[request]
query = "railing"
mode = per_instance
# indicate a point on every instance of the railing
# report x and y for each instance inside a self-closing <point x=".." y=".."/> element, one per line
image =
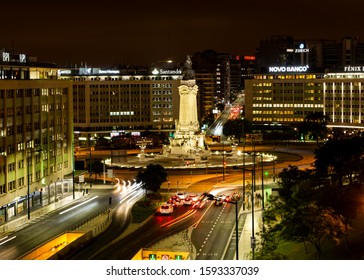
<point x="98" y="228"/>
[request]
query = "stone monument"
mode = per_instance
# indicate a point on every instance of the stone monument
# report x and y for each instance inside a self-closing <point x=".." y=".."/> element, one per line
<point x="187" y="142"/>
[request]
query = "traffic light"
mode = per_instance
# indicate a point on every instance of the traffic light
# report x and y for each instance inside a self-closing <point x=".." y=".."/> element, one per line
<point x="266" y="173"/>
<point x="153" y="257"/>
<point x="178" y="257"/>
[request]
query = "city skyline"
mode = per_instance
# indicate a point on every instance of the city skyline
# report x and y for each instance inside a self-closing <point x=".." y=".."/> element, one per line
<point x="141" y="33"/>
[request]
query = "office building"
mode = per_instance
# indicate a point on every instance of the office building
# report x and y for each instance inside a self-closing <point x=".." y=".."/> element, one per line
<point x="287" y="95"/>
<point x="36" y="134"/>
<point x="109" y="103"/>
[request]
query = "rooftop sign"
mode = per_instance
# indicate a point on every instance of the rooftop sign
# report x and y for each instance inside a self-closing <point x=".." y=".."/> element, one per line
<point x="285" y="69"/>
<point x="166" y="72"/>
<point x="354" y="68"/>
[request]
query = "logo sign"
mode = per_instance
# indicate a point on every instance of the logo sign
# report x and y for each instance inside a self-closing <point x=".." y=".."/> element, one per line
<point x="285" y="69"/>
<point x="354" y="68"/>
<point x="166" y="72"/>
<point x="301" y="49"/>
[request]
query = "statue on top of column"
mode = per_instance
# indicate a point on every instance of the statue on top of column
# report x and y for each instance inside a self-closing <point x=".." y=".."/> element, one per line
<point x="187" y="72"/>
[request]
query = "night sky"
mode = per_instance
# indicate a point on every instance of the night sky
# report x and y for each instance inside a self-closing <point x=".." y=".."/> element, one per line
<point x="102" y="33"/>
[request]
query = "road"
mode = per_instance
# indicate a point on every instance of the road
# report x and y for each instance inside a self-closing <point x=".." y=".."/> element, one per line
<point x="213" y="225"/>
<point x="40" y="230"/>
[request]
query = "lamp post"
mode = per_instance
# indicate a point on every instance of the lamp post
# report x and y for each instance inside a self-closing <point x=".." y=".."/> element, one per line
<point x="252" y="241"/>
<point x="29" y="158"/>
<point x="223" y="161"/>
<point x="73" y="170"/>
<point x="244" y="176"/>
<point x="261" y="159"/>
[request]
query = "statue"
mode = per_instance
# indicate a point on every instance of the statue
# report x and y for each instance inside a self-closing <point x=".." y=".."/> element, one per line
<point x="187" y="72"/>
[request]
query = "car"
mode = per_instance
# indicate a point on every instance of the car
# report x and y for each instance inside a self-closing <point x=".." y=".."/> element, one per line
<point x="176" y="200"/>
<point x="187" y="201"/>
<point x="227" y="198"/>
<point x="199" y="204"/>
<point x="166" y="209"/>
<point x="171" y="202"/>
<point x="218" y="201"/>
<point x="193" y="196"/>
<point x="181" y="195"/>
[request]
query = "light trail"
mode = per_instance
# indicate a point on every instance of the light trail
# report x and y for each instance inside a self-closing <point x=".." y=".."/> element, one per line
<point x="179" y="219"/>
<point x="6" y="240"/>
<point x="74" y="207"/>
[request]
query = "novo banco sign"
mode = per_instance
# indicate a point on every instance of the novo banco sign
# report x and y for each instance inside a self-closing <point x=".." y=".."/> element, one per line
<point x="285" y="69"/>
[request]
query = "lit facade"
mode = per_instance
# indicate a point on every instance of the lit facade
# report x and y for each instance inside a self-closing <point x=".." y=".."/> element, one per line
<point x="36" y="134"/>
<point x="285" y="98"/>
<point x="107" y="103"/>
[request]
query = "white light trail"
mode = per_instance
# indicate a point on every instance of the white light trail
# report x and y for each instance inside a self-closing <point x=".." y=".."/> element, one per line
<point x="7" y="240"/>
<point x="74" y="207"/>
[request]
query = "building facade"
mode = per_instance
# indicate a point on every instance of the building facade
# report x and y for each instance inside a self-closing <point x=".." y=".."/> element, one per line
<point x="36" y="136"/>
<point x="284" y="96"/>
<point x="109" y="103"/>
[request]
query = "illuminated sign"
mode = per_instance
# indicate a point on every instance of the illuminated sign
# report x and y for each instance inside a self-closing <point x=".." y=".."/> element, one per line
<point x="109" y="71"/>
<point x="6" y="56"/>
<point x="354" y="68"/>
<point x="301" y="49"/>
<point x="22" y="58"/>
<point x="64" y="72"/>
<point x="166" y="72"/>
<point x="249" y="57"/>
<point x="284" y="69"/>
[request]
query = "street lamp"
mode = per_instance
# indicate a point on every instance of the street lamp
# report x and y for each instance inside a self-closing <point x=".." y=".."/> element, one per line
<point x="223" y="161"/>
<point x="29" y="157"/>
<point x="235" y="201"/>
<point x="252" y="240"/>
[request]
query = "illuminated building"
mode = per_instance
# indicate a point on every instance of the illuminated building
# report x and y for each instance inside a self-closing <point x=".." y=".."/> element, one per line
<point x="36" y="133"/>
<point x="288" y="94"/>
<point x="109" y="103"/>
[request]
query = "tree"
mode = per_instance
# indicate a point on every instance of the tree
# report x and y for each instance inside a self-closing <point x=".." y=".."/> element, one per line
<point x="152" y="177"/>
<point x="340" y="159"/>
<point x="314" y="125"/>
<point x="297" y="214"/>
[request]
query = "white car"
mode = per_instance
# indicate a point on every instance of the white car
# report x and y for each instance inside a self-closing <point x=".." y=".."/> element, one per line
<point x="181" y="195"/>
<point x="193" y="196"/>
<point x="166" y="209"/>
